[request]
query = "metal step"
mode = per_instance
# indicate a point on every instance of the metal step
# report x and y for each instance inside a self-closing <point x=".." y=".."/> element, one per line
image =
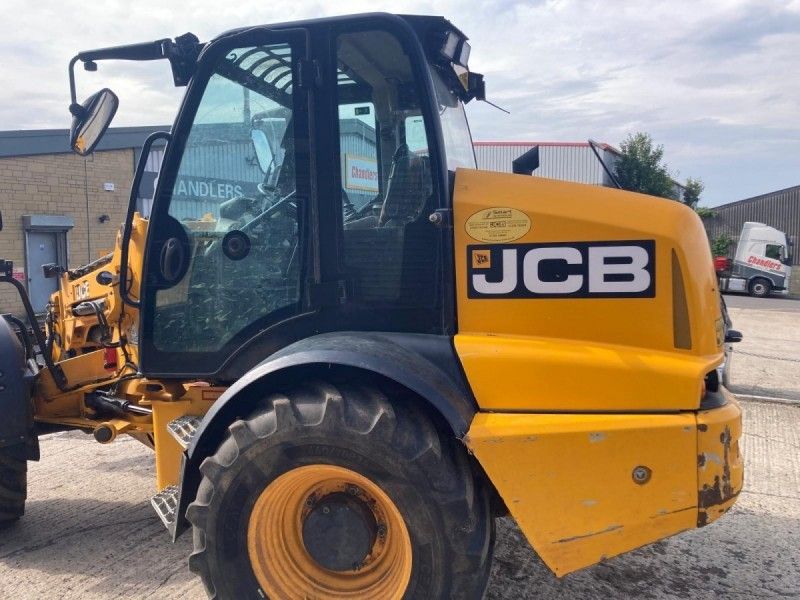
<point x="183" y="429"/>
<point x="165" y="504"/>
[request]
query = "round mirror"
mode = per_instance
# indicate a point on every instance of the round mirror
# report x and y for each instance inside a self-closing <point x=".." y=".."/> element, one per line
<point x="91" y="121"/>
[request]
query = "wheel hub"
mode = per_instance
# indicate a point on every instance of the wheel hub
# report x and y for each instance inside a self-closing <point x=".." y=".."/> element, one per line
<point x="339" y="532"/>
<point x="324" y="531"/>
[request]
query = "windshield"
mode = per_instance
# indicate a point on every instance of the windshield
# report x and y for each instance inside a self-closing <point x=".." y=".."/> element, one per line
<point x="455" y="128"/>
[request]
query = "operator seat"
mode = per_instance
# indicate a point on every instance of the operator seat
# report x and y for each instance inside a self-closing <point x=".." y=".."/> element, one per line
<point x="366" y="239"/>
<point x="405" y="190"/>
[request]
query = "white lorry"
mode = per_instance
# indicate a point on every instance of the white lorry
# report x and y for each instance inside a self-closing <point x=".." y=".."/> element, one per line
<point x="761" y="264"/>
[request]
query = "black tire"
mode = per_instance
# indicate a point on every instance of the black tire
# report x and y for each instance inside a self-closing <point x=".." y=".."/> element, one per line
<point x="759" y="287"/>
<point x="13" y="484"/>
<point x="426" y="474"/>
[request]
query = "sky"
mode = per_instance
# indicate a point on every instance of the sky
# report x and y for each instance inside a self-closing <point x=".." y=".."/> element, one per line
<point x="716" y="82"/>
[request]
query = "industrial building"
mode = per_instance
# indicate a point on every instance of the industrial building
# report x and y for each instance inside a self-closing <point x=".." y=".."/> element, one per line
<point x="61" y="208"/>
<point x="568" y="161"/>
<point x="779" y="209"/>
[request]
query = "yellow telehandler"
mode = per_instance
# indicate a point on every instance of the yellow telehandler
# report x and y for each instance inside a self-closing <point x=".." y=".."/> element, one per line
<point x="350" y="350"/>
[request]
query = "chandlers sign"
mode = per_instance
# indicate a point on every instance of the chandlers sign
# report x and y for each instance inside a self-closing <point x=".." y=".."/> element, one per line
<point x="208" y="188"/>
<point x="767" y="263"/>
<point x="360" y="173"/>
<point x="619" y="269"/>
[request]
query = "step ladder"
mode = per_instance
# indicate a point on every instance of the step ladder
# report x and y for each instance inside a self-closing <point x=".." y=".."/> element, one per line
<point x="165" y="502"/>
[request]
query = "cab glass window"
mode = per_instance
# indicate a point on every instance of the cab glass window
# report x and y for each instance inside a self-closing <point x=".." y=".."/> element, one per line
<point x="234" y="202"/>
<point x="775" y="252"/>
<point x="455" y="128"/>
<point x="390" y="249"/>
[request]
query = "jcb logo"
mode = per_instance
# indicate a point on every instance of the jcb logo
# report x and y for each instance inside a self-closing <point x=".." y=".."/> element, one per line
<point x="81" y="290"/>
<point x="624" y="269"/>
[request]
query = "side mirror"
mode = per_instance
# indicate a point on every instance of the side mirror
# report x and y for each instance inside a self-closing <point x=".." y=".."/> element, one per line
<point x="263" y="151"/>
<point x="90" y="121"/>
<point x="732" y="336"/>
<point x="51" y="270"/>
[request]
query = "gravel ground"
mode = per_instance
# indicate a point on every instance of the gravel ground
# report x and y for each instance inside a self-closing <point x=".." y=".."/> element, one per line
<point x="90" y="533"/>
<point x="767" y="361"/>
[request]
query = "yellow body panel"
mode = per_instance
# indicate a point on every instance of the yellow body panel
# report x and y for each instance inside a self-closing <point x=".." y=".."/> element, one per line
<point x="590" y="429"/>
<point x="534" y="373"/>
<point x="589" y="353"/>
<point x="195" y="401"/>
<point x="570" y="480"/>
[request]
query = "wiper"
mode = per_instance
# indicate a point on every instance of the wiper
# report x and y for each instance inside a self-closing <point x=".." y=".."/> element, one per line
<point x="592" y="145"/>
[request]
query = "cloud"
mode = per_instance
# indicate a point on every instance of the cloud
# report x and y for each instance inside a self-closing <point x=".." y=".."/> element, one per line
<point x="716" y="82"/>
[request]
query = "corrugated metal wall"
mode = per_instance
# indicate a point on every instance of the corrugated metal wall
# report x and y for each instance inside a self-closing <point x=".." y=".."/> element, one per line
<point x="780" y="210"/>
<point x="568" y="162"/>
<point x="220" y="159"/>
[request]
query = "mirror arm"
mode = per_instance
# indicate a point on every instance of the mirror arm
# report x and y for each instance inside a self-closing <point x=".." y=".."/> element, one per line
<point x="126" y="230"/>
<point x="182" y="55"/>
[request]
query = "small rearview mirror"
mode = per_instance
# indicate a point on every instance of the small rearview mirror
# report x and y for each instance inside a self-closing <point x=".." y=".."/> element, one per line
<point x="732" y="336"/>
<point x="51" y="270"/>
<point x="91" y="120"/>
<point x="263" y="151"/>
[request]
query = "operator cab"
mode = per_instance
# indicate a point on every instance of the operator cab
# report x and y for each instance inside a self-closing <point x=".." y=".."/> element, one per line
<point x="296" y="193"/>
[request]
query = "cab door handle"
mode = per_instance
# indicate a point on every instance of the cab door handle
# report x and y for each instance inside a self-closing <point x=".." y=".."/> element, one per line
<point x="171" y="260"/>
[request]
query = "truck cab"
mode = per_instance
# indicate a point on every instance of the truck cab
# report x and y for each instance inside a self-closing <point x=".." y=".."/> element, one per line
<point x="762" y="262"/>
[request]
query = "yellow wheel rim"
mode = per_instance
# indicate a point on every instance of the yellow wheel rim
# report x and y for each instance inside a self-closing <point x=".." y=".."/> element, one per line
<point x="283" y="565"/>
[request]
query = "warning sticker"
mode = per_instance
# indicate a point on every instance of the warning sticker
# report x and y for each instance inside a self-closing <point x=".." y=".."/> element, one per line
<point x="498" y="225"/>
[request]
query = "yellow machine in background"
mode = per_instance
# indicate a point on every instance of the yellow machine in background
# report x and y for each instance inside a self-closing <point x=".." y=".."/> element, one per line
<point x="348" y="373"/>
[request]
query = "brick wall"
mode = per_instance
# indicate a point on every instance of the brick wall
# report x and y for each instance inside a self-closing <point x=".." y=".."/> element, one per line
<point x="57" y="184"/>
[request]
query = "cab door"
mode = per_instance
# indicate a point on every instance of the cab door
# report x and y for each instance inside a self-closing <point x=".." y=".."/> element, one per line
<point x="228" y="251"/>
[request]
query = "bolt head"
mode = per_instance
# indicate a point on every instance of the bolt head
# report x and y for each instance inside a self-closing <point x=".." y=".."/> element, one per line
<point x="641" y="474"/>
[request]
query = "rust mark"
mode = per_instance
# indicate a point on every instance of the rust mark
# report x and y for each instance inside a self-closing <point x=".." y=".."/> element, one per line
<point x="597" y="436"/>
<point x="722" y="490"/>
<point x="588" y="535"/>
<point x="702" y="427"/>
<point x="701" y="460"/>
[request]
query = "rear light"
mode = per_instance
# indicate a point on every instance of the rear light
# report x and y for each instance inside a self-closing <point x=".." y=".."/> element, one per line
<point x="110" y="357"/>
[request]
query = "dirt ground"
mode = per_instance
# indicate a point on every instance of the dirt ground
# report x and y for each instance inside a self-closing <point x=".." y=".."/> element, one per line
<point x="90" y="533"/>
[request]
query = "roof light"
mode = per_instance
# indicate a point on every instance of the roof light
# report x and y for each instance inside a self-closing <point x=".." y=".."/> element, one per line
<point x="463" y="57"/>
<point x="450" y="45"/>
